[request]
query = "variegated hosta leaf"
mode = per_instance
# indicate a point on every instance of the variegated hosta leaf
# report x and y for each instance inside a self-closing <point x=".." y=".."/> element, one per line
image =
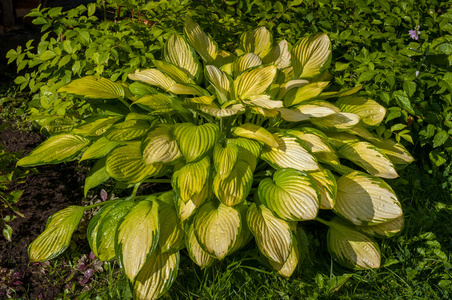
<point x="96" y="175"/>
<point x="157" y="103"/>
<point x="366" y="200"/>
<point x="288" y="267"/>
<point x="95" y="126"/>
<point x="140" y="89"/>
<point x="173" y="71"/>
<point x="395" y="152"/>
<point x="224" y="58"/>
<point x="57" y="235"/>
<point x="338" y="139"/>
<point x="308" y="111"/>
<point x="94" y="87"/>
<point x="127" y="130"/>
<point x="156" y="276"/>
<point x="233" y="189"/>
<point x="217" y="227"/>
<point x="99" y="149"/>
<point x="327" y="186"/>
<point x="194" y="141"/>
<point x="160" y="146"/>
<point x="56" y="149"/>
<point x="342" y="93"/>
<point x="351" y="248"/>
<point x="264" y="101"/>
<point x="289" y="154"/>
<point x="188" y="89"/>
<point x="289" y="85"/>
<point x="195" y="251"/>
<point x="372" y="159"/>
<point x="171" y="229"/>
<point x="383" y="230"/>
<point x="225" y="158"/>
<point x="202" y="99"/>
<point x="258" y="41"/>
<point x="291" y="195"/>
<point x="249" y="150"/>
<point x="245" y="235"/>
<point x="361" y="131"/>
<point x="188" y="208"/>
<point x="178" y="52"/>
<point x="370" y="111"/>
<point x="189" y="180"/>
<point x="255" y="132"/>
<point x="102" y="229"/>
<point x="153" y="77"/>
<point x="311" y="56"/>
<point x="279" y="55"/>
<point x="273" y="235"/>
<point x="201" y="42"/>
<point x="220" y="82"/>
<point x="137" y="237"/>
<point x="218" y="112"/>
<point x="125" y="163"/>
<point x="338" y="121"/>
<point x="254" y="81"/>
<point x="304" y="93"/>
<point x="245" y="62"/>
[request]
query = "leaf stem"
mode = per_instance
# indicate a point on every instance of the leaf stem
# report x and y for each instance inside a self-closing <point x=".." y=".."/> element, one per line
<point x="327" y="223"/>
<point x="158" y="181"/>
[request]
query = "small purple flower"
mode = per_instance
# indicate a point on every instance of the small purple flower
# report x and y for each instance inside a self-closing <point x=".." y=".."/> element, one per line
<point x="103" y="195"/>
<point x="414" y="34"/>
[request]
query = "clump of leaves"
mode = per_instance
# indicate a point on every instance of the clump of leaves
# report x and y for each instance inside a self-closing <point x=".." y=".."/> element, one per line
<point x="253" y="145"/>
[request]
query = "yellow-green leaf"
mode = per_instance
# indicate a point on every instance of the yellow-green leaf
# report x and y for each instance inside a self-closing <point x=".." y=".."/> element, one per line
<point x="383" y="230"/>
<point x="351" y="248"/>
<point x="245" y="62"/>
<point x="96" y="175"/>
<point x="220" y="82"/>
<point x="372" y="159"/>
<point x="217" y="227"/>
<point x="273" y="235"/>
<point x="289" y="153"/>
<point x="99" y="149"/>
<point x="218" y="112"/>
<point x="95" y="126"/>
<point x="160" y="146"/>
<point x="254" y="81"/>
<point x="127" y="130"/>
<point x="225" y="158"/>
<point x="171" y="229"/>
<point x="56" y="149"/>
<point x="125" y="163"/>
<point x="94" y="87"/>
<point x="153" y="77"/>
<point x="258" y="41"/>
<point x="279" y="55"/>
<point x="57" y="235"/>
<point x="291" y="195"/>
<point x="201" y="42"/>
<point x="102" y="229"/>
<point x="249" y="150"/>
<point x="156" y="276"/>
<point x="337" y="121"/>
<point x="366" y="200"/>
<point x="234" y="188"/>
<point x="157" y="103"/>
<point x="370" y="111"/>
<point x="287" y="268"/>
<point x="194" y="141"/>
<point x="189" y="180"/>
<point x="311" y="56"/>
<point x="178" y="52"/>
<point x="137" y="237"/>
<point x="195" y="251"/>
<point x="255" y="132"/>
<point x="327" y="186"/>
<point x="304" y="93"/>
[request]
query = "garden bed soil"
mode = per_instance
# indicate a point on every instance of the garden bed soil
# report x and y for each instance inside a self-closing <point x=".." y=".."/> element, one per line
<point x="55" y="187"/>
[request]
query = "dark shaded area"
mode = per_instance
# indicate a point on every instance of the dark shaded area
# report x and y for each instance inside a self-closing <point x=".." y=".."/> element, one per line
<point x="54" y="188"/>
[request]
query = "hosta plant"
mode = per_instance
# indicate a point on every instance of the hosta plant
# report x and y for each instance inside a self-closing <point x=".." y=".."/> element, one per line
<point x="253" y="145"/>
